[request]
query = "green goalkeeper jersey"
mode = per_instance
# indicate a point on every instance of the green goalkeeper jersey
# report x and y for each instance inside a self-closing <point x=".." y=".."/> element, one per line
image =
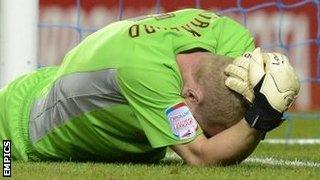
<point x="117" y="95"/>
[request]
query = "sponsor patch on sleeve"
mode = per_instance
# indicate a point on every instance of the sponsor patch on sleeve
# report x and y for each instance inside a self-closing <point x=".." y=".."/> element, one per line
<point x="182" y="122"/>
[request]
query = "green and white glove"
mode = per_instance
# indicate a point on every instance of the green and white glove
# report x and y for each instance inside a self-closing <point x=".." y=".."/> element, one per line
<point x="269" y="83"/>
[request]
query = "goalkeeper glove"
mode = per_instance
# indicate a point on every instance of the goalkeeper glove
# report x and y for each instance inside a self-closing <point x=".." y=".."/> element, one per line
<point x="238" y="79"/>
<point x="275" y="87"/>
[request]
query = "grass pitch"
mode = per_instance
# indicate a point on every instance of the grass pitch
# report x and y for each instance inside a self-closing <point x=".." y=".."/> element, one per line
<point x="269" y="161"/>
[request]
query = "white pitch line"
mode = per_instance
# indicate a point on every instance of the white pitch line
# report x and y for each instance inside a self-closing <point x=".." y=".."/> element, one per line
<point x="265" y="160"/>
<point x="292" y="141"/>
<point x="281" y="162"/>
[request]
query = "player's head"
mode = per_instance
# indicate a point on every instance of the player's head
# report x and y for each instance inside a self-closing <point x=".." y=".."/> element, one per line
<point x="220" y="107"/>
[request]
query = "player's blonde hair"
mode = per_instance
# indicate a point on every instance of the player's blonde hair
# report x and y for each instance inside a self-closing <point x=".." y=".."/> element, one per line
<point x="220" y="105"/>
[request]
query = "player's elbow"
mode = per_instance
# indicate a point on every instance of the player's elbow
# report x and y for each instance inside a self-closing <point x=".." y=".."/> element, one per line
<point x="214" y="158"/>
<point x="196" y="159"/>
<point x="196" y="162"/>
<point x="202" y="160"/>
<point x="212" y="162"/>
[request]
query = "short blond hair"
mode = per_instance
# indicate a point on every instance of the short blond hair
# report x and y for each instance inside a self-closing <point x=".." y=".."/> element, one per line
<point x="220" y="105"/>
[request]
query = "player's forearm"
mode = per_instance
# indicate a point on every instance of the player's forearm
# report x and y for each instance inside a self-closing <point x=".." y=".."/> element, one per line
<point x="230" y="146"/>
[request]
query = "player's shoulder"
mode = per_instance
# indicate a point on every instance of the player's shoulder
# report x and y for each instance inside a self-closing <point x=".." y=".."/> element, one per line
<point x="230" y="23"/>
<point x="220" y="20"/>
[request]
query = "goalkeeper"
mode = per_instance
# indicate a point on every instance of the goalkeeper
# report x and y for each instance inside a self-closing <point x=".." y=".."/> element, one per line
<point x="138" y="86"/>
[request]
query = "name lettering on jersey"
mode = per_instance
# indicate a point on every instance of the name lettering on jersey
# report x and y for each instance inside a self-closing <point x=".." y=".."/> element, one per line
<point x="190" y="30"/>
<point x="175" y="28"/>
<point x="204" y="16"/>
<point x="149" y="29"/>
<point x="201" y="21"/>
<point x="182" y="122"/>
<point x="134" y="31"/>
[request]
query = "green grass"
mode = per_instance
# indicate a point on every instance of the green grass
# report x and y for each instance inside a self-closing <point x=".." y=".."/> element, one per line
<point x="175" y="169"/>
<point x="164" y="170"/>
<point x="289" y="152"/>
<point x="297" y="129"/>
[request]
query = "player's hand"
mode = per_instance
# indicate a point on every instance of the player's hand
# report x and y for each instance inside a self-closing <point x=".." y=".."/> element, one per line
<point x="238" y="76"/>
<point x="280" y="83"/>
<point x="276" y="86"/>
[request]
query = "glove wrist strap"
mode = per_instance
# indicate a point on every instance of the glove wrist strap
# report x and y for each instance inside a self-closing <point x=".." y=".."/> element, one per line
<point x="261" y="115"/>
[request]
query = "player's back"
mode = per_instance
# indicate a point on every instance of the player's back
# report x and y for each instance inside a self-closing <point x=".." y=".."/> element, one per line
<point x="87" y="110"/>
<point x="157" y="38"/>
